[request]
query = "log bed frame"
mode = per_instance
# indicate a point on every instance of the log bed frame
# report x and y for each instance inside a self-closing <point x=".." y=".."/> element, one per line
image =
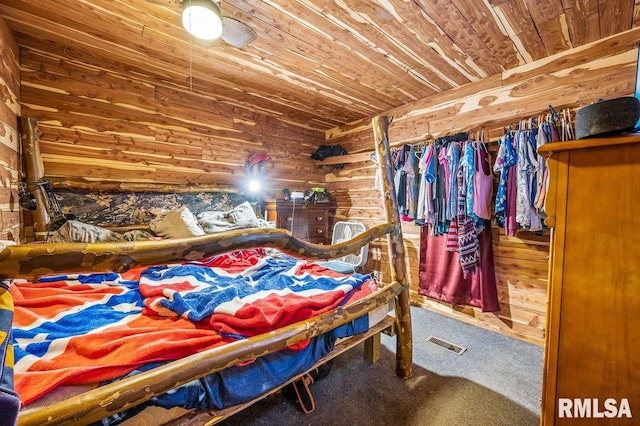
<point x="30" y="261"/>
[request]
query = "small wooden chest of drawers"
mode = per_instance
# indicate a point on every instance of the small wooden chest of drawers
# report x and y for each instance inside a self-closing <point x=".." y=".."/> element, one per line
<point x="306" y="221"/>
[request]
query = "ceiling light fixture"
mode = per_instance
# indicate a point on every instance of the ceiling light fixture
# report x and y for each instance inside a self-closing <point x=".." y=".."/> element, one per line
<point x="201" y="18"/>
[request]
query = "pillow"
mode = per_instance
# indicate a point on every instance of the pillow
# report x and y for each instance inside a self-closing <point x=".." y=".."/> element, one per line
<point x="213" y="221"/>
<point x="74" y="231"/>
<point x="243" y="216"/>
<point x="176" y="224"/>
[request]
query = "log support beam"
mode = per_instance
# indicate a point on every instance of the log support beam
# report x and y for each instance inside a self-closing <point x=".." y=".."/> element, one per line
<point x="397" y="261"/>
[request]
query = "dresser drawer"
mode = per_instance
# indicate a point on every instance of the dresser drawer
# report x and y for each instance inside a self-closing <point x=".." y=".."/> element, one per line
<point x="316" y="217"/>
<point x="317" y="230"/>
<point x="309" y="222"/>
<point x="289" y="219"/>
<point x="302" y="217"/>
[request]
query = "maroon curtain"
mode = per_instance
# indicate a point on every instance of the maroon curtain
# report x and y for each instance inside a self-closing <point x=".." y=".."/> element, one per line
<point x="441" y="276"/>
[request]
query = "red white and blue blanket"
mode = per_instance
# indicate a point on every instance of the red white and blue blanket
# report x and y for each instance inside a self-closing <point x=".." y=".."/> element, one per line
<point x="95" y="327"/>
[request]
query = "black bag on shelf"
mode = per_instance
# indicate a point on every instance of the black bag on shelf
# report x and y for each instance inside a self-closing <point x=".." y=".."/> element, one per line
<point x="325" y="151"/>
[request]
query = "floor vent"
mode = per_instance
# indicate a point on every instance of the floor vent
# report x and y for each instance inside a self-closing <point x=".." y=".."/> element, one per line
<point x="447" y="345"/>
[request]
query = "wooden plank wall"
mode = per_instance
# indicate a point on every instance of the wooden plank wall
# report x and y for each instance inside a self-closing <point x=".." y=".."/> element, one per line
<point x="604" y="69"/>
<point x="99" y="124"/>
<point x="9" y="138"/>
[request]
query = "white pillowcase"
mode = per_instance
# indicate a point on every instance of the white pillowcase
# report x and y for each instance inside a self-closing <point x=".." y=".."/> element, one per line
<point x="241" y="216"/>
<point x="176" y="224"/>
<point x="213" y="221"/>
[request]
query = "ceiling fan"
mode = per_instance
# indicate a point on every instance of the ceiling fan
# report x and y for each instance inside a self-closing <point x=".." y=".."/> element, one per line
<point x="203" y="19"/>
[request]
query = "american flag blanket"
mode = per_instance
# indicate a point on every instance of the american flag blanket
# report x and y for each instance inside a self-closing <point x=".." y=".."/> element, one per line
<point x="77" y="329"/>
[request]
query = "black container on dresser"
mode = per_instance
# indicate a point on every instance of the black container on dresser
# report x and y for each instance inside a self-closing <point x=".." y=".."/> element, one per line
<point x="307" y="221"/>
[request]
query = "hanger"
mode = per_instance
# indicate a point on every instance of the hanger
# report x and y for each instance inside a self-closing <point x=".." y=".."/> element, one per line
<point x="418" y="149"/>
<point x="554" y="114"/>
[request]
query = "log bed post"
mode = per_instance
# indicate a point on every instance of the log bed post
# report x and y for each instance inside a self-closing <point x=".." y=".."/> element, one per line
<point x="397" y="262"/>
<point x="34" y="171"/>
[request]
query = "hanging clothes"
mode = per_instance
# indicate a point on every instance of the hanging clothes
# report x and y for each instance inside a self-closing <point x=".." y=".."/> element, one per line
<point x="453" y="159"/>
<point x="456" y="256"/>
<point x="406" y="182"/>
<point x="430" y="178"/>
<point x="400" y="179"/>
<point x="422" y="211"/>
<point x="437" y="187"/>
<point x="468" y="249"/>
<point x="532" y="174"/>
<point x="527" y="165"/>
<point x="542" y="176"/>
<point x="441" y="224"/>
<point x="442" y="278"/>
<point x="510" y="221"/>
<point x="411" y="170"/>
<point x="524" y="175"/>
<point x="505" y="206"/>
<point x="468" y="165"/>
<point x="482" y="183"/>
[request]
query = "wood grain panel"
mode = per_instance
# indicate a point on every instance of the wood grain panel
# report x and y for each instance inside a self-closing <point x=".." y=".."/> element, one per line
<point x="608" y="348"/>
<point x="549" y="17"/>
<point x="483" y="20"/>
<point x="398" y="46"/>
<point x="615" y="16"/>
<point x="593" y="300"/>
<point x="304" y="101"/>
<point x="10" y="167"/>
<point x="583" y="20"/>
<point x="316" y="63"/>
<point x="139" y="47"/>
<point x="449" y="18"/>
<point x="605" y="68"/>
<point x="520" y="28"/>
<point x="98" y="124"/>
<point x="428" y="33"/>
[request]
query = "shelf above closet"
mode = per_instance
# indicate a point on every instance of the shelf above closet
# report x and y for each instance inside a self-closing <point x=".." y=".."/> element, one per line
<point x="344" y="159"/>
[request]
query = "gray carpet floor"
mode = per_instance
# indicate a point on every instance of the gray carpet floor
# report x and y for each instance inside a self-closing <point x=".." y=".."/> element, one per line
<point x="496" y="381"/>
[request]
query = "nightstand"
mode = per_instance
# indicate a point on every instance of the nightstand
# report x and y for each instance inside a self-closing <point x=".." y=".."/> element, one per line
<point x="306" y="221"/>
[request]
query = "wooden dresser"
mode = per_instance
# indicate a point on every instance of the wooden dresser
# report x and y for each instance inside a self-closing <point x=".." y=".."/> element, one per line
<point x="592" y="346"/>
<point x="310" y="222"/>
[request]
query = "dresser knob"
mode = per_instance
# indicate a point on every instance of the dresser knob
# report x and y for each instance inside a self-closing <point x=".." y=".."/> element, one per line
<point x="319" y="218"/>
<point x="289" y="219"/>
<point x="320" y="231"/>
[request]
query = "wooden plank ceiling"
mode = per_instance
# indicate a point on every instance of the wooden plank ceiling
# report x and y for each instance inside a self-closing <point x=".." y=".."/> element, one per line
<point x="317" y="63"/>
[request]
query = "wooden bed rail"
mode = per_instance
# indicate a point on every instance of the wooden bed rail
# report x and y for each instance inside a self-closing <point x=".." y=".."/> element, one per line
<point x="120" y="395"/>
<point x="31" y="261"/>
